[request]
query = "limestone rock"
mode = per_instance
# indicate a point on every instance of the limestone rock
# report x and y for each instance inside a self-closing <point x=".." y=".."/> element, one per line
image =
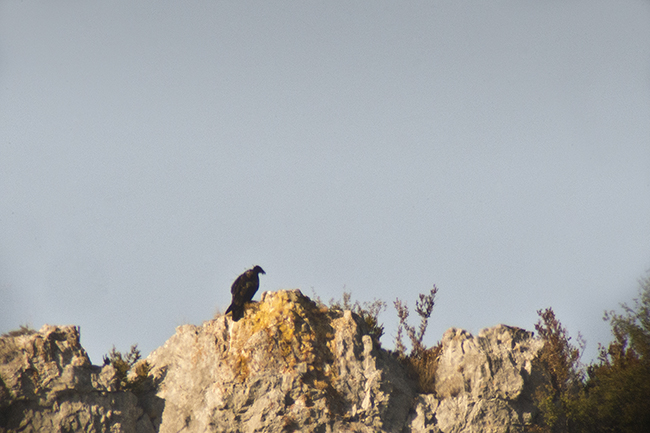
<point x="485" y="383"/>
<point x="288" y="365"/>
<point x="47" y="384"/>
<point x="423" y="414"/>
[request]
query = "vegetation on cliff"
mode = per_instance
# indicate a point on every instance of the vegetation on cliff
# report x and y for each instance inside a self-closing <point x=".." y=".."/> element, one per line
<point x="610" y="395"/>
<point x="131" y="372"/>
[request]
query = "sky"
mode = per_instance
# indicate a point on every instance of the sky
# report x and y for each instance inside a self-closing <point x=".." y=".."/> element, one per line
<point x="150" y="152"/>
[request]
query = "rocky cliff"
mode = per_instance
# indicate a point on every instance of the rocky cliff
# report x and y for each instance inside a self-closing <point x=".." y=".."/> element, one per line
<point x="47" y="384"/>
<point x="289" y="365"/>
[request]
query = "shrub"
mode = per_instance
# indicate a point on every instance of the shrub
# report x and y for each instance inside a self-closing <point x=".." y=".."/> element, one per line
<point x="368" y="311"/>
<point x="424" y="308"/>
<point x="615" y="394"/>
<point x="421" y="363"/>
<point x="618" y="388"/>
<point x="559" y="399"/>
<point x="123" y="365"/>
<point x="422" y="367"/>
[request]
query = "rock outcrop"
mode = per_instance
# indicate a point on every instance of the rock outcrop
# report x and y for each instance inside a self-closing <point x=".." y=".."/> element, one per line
<point x="47" y="384"/>
<point x="483" y="384"/>
<point x="288" y="365"/>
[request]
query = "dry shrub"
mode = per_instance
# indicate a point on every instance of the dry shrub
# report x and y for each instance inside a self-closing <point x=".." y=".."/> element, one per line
<point x="422" y="367"/>
<point x="368" y="311"/>
<point x="421" y="363"/>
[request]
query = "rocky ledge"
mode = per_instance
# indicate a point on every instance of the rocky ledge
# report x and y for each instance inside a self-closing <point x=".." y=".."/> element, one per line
<point x="289" y="365"/>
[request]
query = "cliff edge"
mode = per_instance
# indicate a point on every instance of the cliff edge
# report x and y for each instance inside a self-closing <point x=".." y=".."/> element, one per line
<point x="289" y="365"/>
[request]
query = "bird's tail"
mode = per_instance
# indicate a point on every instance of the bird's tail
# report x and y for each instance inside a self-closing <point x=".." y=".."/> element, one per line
<point x="237" y="311"/>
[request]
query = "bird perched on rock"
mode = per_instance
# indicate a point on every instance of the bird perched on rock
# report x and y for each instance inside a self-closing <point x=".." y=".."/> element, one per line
<point x="243" y="290"/>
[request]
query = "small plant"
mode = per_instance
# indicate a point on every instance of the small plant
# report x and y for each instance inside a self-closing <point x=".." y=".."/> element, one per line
<point x="424" y="308"/>
<point x="23" y="330"/>
<point x="422" y="363"/>
<point x="123" y="365"/>
<point x="368" y="311"/>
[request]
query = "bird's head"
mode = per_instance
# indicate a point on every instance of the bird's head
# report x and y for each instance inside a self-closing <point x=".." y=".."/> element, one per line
<point x="258" y="270"/>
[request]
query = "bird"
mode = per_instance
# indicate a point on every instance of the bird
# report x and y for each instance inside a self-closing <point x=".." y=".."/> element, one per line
<point x="243" y="290"/>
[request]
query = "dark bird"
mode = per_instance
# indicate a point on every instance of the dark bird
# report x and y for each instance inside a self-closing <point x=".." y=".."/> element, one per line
<point x="243" y="290"/>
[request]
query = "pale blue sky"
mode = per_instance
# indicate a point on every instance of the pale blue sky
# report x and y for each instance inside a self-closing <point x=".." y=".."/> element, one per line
<point x="150" y="152"/>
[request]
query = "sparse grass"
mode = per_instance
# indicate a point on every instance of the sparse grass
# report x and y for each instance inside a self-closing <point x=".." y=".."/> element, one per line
<point x="368" y="311"/>
<point x="23" y="330"/>
<point x="422" y="367"/>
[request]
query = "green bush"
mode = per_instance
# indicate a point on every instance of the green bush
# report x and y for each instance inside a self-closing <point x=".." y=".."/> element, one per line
<point x="614" y="395"/>
<point x="617" y="397"/>
<point x="560" y="360"/>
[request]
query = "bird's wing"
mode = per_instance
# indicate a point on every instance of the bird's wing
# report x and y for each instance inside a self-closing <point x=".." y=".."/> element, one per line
<point x="239" y="283"/>
<point x="251" y="288"/>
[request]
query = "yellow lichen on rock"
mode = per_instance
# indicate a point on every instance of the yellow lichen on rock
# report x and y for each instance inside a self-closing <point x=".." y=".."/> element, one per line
<point x="294" y="329"/>
<point x="286" y="331"/>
